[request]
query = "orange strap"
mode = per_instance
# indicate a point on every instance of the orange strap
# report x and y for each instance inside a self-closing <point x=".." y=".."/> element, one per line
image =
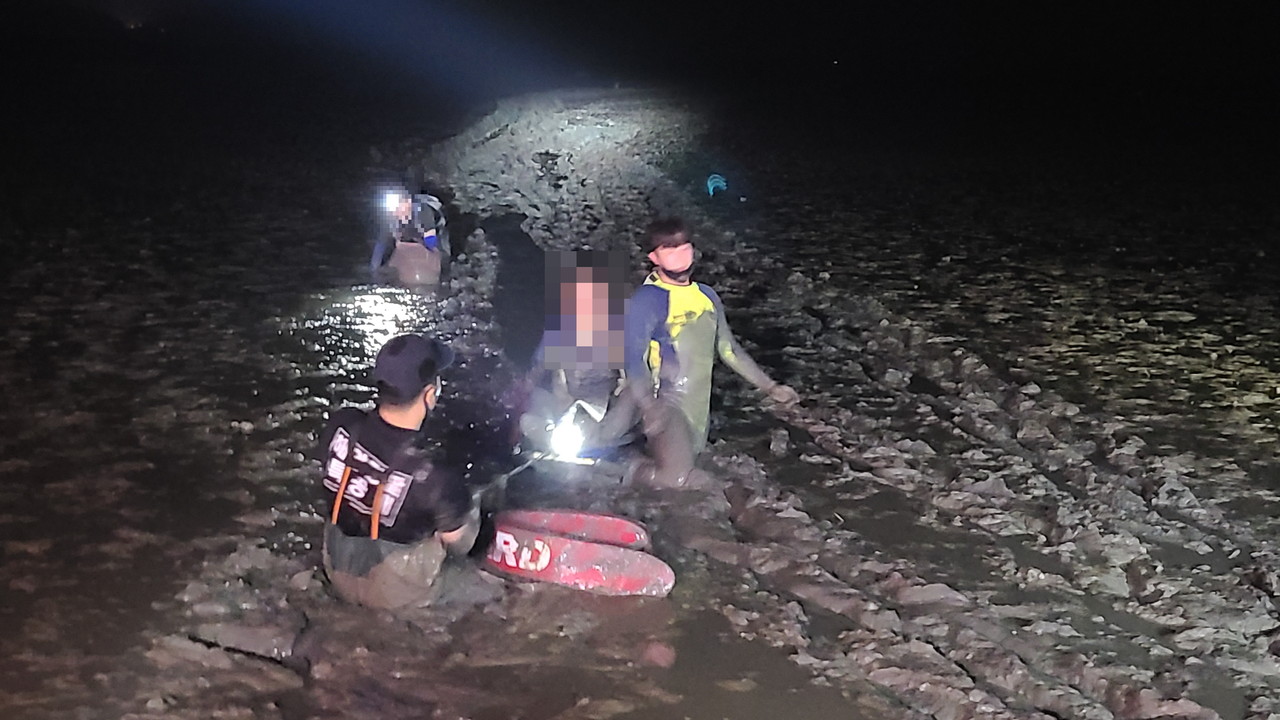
<point x="375" y="511"/>
<point x="342" y="489"/>
<point x="377" y="503"/>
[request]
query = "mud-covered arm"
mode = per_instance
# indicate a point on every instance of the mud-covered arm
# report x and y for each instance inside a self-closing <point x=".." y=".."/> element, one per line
<point x="380" y="249"/>
<point x="539" y="368"/>
<point x="644" y="323"/>
<point x="378" y="241"/>
<point x="452" y="511"/>
<point x="442" y="242"/>
<point x="538" y="362"/>
<point x="731" y="352"/>
<point x="459" y="542"/>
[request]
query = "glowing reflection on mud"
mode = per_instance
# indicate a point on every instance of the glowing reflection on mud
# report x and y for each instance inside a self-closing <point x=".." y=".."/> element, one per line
<point x="346" y="327"/>
<point x="380" y="315"/>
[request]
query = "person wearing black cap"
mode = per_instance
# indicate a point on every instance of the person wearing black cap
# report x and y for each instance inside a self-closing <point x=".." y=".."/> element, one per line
<point x="393" y="515"/>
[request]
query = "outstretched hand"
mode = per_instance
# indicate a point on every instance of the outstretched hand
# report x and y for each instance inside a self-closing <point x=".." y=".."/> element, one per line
<point x="783" y="394"/>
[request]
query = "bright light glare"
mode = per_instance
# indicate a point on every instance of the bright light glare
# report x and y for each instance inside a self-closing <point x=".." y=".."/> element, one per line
<point x="380" y="317"/>
<point x="391" y="201"/>
<point x="567" y="438"/>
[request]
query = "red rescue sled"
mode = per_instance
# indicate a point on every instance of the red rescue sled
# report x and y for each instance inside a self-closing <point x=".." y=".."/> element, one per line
<point x="603" y="554"/>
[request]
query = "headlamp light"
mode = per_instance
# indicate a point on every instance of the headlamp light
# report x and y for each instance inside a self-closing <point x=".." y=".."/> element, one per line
<point x="567" y="438"/>
<point x="391" y="201"/>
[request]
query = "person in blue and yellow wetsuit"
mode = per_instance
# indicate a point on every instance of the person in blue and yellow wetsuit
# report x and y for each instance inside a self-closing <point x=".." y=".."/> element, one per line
<point x="675" y="328"/>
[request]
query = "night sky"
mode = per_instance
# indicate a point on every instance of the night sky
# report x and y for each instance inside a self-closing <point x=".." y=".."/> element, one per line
<point x="1172" y="77"/>
<point x="1005" y="57"/>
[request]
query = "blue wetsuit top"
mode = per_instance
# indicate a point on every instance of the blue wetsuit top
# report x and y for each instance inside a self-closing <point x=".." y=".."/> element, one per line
<point x="673" y="334"/>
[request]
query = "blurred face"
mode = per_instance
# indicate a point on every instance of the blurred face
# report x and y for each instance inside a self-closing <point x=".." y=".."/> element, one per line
<point x="591" y="307"/>
<point x="404" y="210"/>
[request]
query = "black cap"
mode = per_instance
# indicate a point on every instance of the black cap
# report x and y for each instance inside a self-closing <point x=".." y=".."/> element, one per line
<point x="666" y="232"/>
<point x="409" y="363"/>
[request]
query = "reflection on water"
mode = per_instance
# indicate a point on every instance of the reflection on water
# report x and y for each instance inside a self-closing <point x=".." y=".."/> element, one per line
<point x="347" y="328"/>
<point x="380" y="315"/>
<point x="149" y="404"/>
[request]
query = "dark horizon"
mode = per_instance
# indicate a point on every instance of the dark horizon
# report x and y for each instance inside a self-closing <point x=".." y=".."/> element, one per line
<point x="999" y="61"/>
<point x="1161" y="86"/>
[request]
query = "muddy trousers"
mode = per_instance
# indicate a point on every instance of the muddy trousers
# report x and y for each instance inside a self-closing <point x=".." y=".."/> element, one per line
<point x="414" y="265"/>
<point x="381" y="574"/>
<point x="673" y="443"/>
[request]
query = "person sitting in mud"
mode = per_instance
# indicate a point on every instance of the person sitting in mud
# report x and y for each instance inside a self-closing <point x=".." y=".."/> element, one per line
<point x="579" y="360"/>
<point x="674" y="330"/>
<point x="414" y="244"/>
<point x="394" y="514"/>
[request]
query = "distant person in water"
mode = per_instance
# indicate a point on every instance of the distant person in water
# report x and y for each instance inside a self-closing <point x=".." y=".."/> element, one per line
<point x="394" y="515"/>
<point x="413" y="243"/>
<point x="675" y="328"/>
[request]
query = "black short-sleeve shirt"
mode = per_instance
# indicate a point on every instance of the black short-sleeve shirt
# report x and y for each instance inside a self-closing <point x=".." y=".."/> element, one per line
<point x="418" y="498"/>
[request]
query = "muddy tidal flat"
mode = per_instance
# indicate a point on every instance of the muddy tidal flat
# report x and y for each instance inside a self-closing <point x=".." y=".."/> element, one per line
<point x="1031" y="475"/>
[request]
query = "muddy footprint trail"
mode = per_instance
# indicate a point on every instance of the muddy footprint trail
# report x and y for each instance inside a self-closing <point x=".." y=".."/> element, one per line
<point x="924" y="536"/>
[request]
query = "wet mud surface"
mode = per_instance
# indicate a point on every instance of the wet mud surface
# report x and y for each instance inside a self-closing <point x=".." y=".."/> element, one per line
<point x="1021" y="483"/>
